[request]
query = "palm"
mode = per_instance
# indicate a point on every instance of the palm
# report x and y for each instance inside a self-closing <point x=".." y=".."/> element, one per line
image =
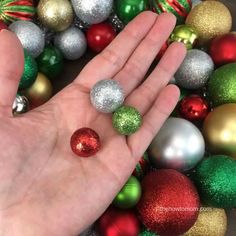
<point x="44" y="184"/>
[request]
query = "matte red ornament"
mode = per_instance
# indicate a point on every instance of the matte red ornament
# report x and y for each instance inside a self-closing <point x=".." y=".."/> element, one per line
<point x="2" y="25"/>
<point x="169" y="204"/>
<point x="116" y="222"/>
<point x="85" y="142"/>
<point x="100" y="36"/>
<point x="223" y="49"/>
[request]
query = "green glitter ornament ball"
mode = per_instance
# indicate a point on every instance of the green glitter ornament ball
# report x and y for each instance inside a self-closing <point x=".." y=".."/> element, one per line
<point x="126" y="120"/>
<point x="215" y="179"/>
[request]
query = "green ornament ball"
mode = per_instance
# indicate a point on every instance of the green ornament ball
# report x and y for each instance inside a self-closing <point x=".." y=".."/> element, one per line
<point x="221" y="88"/>
<point x="50" y="62"/>
<point x="126" y="120"/>
<point x="215" y="180"/>
<point x="129" y="195"/>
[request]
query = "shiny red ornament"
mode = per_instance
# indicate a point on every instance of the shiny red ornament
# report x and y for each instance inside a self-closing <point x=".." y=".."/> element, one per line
<point x="115" y="222"/>
<point x="223" y="49"/>
<point x="162" y="51"/>
<point x="169" y="204"/>
<point x="99" y="36"/>
<point x="85" y="142"/>
<point x="2" y="25"/>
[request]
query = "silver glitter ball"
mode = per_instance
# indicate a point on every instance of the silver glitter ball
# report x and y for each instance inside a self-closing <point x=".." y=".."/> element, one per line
<point x="20" y="105"/>
<point x="92" y="11"/>
<point x="107" y="95"/>
<point x="72" y="43"/>
<point x="195" y="70"/>
<point x="178" y="145"/>
<point x="30" y="35"/>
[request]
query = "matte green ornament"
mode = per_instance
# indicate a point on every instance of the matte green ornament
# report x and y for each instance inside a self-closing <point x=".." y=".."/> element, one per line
<point x="129" y="195"/>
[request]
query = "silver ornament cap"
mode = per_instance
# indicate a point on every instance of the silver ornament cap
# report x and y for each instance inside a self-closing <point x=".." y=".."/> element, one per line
<point x="20" y="105"/>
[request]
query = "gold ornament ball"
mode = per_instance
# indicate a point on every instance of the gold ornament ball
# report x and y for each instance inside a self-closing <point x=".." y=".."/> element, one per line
<point x="210" y="19"/>
<point x="210" y="222"/>
<point x="57" y="15"/>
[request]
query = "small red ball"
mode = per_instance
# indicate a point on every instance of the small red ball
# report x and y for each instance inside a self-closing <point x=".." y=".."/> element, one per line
<point x="99" y="36"/>
<point x="85" y="142"/>
<point x="115" y="222"/>
<point x="2" y="25"/>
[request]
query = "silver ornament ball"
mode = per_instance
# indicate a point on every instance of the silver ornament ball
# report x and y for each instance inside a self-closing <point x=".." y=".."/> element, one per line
<point x="195" y="70"/>
<point x="179" y="145"/>
<point x="92" y="11"/>
<point x="71" y="42"/>
<point x="30" y="36"/>
<point x="20" y="105"/>
<point x="107" y="95"/>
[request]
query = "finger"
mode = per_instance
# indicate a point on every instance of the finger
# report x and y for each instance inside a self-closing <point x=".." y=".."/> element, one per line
<point x="139" y="63"/>
<point x="153" y="120"/>
<point x="113" y="58"/>
<point x="12" y="65"/>
<point x="144" y="96"/>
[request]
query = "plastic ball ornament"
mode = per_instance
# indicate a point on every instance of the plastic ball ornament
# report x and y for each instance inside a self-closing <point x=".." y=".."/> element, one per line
<point x="195" y="70"/>
<point x="3" y="25"/>
<point x="20" y="105"/>
<point x="142" y="167"/>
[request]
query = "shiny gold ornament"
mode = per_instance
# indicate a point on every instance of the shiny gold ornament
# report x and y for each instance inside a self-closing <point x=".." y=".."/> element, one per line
<point x="57" y="15"/>
<point x="210" y="222"/>
<point x="219" y="130"/>
<point x="210" y="19"/>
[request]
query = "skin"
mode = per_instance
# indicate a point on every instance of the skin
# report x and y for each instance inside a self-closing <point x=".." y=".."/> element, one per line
<point x="44" y="188"/>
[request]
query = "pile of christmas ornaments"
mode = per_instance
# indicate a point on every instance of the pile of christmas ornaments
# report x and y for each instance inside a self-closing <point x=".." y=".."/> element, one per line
<point x="186" y="180"/>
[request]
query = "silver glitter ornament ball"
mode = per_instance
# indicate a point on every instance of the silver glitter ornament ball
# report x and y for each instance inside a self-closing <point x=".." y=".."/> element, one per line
<point x="30" y="35"/>
<point x="92" y="11"/>
<point x="72" y="43"/>
<point x="195" y="70"/>
<point x="178" y="145"/>
<point x="107" y="95"/>
<point x="20" y="105"/>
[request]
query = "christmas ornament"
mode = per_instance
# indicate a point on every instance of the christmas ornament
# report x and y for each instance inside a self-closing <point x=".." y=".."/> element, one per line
<point x="30" y="35"/>
<point x="115" y="222"/>
<point x="2" y="25"/>
<point x="178" y="145"/>
<point x="85" y="142"/>
<point x="126" y="120"/>
<point x="142" y="167"/>
<point x="210" y="19"/>
<point x="216" y="181"/>
<point x="210" y="222"/>
<point x="180" y="8"/>
<point x="116" y="22"/>
<point x="92" y="11"/>
<point x="20" y="105"/>
<point x="195" y="70"/>
<point x="129" y="195"/>
<point x="185" y="34"/>
<point x="13" y="10"/>
<point x="169" y="203"/>
<point x="147" y="233"/>
<point x="126" y="10"/>
<point x="56" y="15"/>
<point x="107" y="95"/>
<point x="99" y="36"/>
<point x="223" y="49"/>
<point x="221" y="87"/>
<point x="219" y="130"/>
<point x="50" y="62"/>
<point x="72" y="43"/>
<point x="90" y="231"/>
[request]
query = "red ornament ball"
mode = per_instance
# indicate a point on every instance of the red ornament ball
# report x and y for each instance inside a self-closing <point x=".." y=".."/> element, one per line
<point x="99" y="36"/>
<point x="85" y="142"/>
<point x="115" y="222"/>
<point x="169" y="204"/>
<point x="2" y="25"/>
<point x="223" y="49"/>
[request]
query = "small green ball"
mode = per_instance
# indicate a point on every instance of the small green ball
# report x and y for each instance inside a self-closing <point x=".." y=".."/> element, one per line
<point x="129" y="195"/>
<point x="126" y="120"/>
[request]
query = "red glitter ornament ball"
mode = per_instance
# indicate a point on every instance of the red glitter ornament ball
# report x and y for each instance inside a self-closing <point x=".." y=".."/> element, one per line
<point x="223" y="49"/>
<point x="99" y="36"/>
<point x="169" y="204"/>
<point x="85" y="142"/>
<point x="115" y="222"/>
<point x="2" y="25"/>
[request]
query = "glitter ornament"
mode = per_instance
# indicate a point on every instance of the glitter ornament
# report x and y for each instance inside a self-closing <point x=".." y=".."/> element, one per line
<point x="169" y="203"/>
<point x="195" y="70"/>
<point x="117" y="24"/>
<point x="92" y="11"/>
<point x="142" y="167"/>
<point x="178" y="145"/>
<point x="107" y="95"/>
<point x="85" y="142"/>
<point x="215" y="180"/>
<point x="2" y="25"/>
<point x="20" y="105"/>
<point x="126" y="120"/>
<point x="30" y="36"/>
